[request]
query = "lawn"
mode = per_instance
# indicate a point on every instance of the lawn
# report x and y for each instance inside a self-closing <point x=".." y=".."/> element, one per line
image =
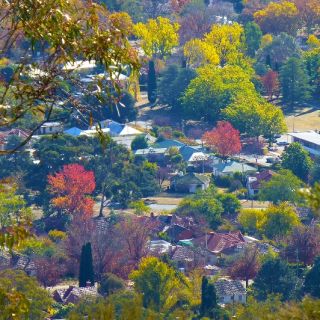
<point x="303" y="120"/>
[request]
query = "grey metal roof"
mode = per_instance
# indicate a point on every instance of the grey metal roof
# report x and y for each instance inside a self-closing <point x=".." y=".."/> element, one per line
<point x="227" y="287"/>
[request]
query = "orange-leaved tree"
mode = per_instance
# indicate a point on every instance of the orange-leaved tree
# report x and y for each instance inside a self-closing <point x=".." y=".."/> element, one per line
<point x="224" y="139"/>
<point x="71" y="188"/>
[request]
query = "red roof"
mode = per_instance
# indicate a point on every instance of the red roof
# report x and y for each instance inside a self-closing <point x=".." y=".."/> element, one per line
<point x="218" y="242"/>
<point x="262" y="176"/>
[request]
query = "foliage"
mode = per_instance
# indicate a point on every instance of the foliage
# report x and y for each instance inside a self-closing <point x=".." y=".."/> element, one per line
<point x="283" y="186"/>
<point x="86" y="266"/>
<point x="162" y="288"/>
<point x="139" y="142"/>
<point x="250" y="219"/>
<point x="253" y="37"/>
<point x="152" y="83"/>
<point x="209" y="300"/>
<point x="278" y="17"/>
<point x="312" y="280"/>
<point x="41" y="247"/>
<point x="294" y="82"/>
<point x="274" y="277"/>
<point x="25" y="296"/>
<point x="224" y="139"/>
<point x="71" y="186"/>
<point x="312" y="196"/>
<point x="279" y="220"/>
<point x="140" y="207"/>
<point x="56" y="235"/>
<point x="296" y="159"/>
<point x="109" y="284"/>
<point x="271" y="83"/>
<point x="230" y="203"/>
<point x="159" y="36"/>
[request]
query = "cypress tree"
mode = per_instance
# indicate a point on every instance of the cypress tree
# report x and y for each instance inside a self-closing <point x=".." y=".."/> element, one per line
<point x="152" y="83"/>
<point x="86" y="266"/>
<point x="208" y="298"/>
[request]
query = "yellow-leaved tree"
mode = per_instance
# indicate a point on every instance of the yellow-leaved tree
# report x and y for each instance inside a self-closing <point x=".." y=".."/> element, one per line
<point x="158" y="37"/>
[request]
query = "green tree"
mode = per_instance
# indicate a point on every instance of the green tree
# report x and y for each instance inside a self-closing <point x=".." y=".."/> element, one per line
<point x="279" y="220"/>
<point x="139" y="142"/>
<point x="283" y="186"/>
<point x="312" y="280"/>
<point x="152" y="83"/>
<point x="294" y="82"/>
<point x="159" y="284"/>
<point x="22" y="288"/>
<point x="86" y="266"/>
<point x="110" y="283"/>
<point x="250" y="219"/>
<point x="230" y="203"/>
<point x="208" y="298"/>
<point x="296" y="159"/>
<point x="274" y="277"/>
<point x="253" y="36"/>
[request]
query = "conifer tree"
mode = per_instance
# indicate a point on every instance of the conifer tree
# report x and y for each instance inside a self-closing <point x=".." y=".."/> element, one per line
<point x="152" y="83"/>
<point x="208" y="298"/>
<point x="86" y="266"/>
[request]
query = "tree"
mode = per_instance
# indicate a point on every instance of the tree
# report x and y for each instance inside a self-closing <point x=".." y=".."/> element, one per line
<point x="25" y="296"/>
<point x="271" y="83"/>
<point x="224" y="139"/>
<point x="86" y="266"/>
<point x="253" y="36"/>
<point x="283" y="186"/>
<point x="139" y="142"/>
<point x="152" y="83"/>
<point x="309" y="13"/>
<point x="250" y="219"/>
<point x="159" y="284"/>
<point x="66" y="30"/>
<point x="274" y="277"/>
<point x="279" y="220"/>
<point x="247" y="266"/>
<point x="294" y="82"/>
<point x="230" y="203"/>
<point x="278" y="17"/>
<point x="110" y="284"/>
<point x="302" y="245"/>
<point x="208" y="298"/>
<point x="49" y="270"/>
<point x="214" y="89"/>
<point x="296" y="159"/>
<point x="312" y="280"/>
<point x="71" y="186"/>
<point x="159" y="36"/>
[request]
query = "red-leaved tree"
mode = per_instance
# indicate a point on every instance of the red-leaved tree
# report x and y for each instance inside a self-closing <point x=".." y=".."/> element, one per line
<point x="270" y="83"/>
<point x="71" y="188"/>
<point x="224" y="139"/>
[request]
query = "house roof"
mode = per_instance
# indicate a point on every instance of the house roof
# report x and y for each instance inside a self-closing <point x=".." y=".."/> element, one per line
<point x="177" y="233"/>
<point x="218" y="242"/>
<point x="74" y="131"/>
<point x="168" y="143"/>
<point x="191" y="178"/>
<point x="149" y="151"/>
<point x="308" y="136"/>
<point x="262" y="176"/>
<point x="226" y="287"/>
<point x="233" y="167"/>
<point x="182" y="253"/>
<point x="192" y="154"/>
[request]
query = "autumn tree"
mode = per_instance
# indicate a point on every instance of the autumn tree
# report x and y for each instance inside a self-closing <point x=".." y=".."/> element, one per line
<point x="66" y="30"/>
<point x="159" y="36"/>
<point x="302" y="245"/>
<point x="247" y="266"/>
<point x="309" y="12"/>
<point x="71" y="187"/>
<point x="278" y="17"/>
<point x="224" y="139"/>
<point x="271" y="83"/>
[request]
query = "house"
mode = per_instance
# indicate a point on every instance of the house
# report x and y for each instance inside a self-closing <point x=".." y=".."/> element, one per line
<point x="159" y="246"/>
<point x="4" y="136"/>
<point x="310" y="140"/>
<point x="168" y="143"/>
<point x="50" y="128"/>
<point x="74" y="131"/>
<point x="176" y="232"/>
<point x="231" y="167"/>
<point x="74" y="294"/>
<point x="152" y="154"/>
<point x="254" y="182"/>
<point x="230" y="291"/>
<point x="190" y="182"/>
<point x="222" y="243"/>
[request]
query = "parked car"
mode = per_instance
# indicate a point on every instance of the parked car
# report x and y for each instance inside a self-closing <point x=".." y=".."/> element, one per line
<point x="283" y="143"/>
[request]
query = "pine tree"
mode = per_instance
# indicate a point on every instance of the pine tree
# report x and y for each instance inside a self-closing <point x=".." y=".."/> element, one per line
<point x="86" y="266"/>
<point x="208" y="298"/>
<point x="294" y="82"/>
<point x="152" y="83"/>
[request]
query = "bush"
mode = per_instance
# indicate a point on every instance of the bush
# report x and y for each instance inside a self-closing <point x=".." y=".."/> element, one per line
<point x="223" y="181"/>
<point x="109" y="284"/>
<point x="57" y="235"/>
